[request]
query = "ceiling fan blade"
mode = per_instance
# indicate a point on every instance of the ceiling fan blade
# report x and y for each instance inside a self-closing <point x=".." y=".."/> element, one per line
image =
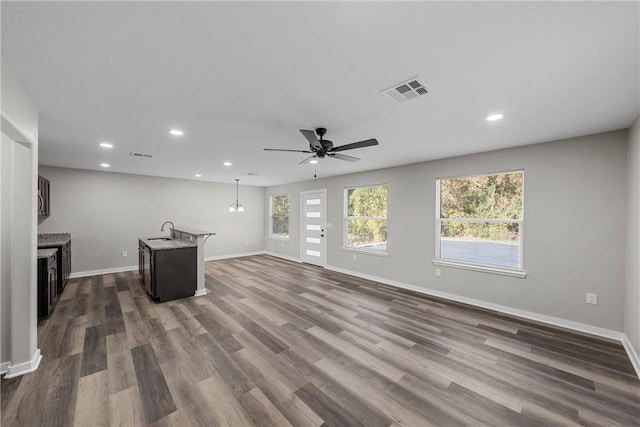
<point x="361" y="144"/>
<point x="282" y="149"/>
<point x="312" y="138"/>
<point x="307" y="160"/>
<point x="344" y="157"/>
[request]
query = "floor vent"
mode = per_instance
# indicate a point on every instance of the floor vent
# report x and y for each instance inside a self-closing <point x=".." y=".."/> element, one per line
<point x="406" y="91"/>
<point x="134" y="154"/>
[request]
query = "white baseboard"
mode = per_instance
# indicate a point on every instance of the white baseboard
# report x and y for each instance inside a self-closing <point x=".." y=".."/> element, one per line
<point x="238" y="255"/>
<point x="631" y="352"/>
<point x="135" y="267"/>
<point x="287" y="257"/>
<point x="103" y="271"/>
<point x="25" y="367"/>
<point x="3" y="367"/>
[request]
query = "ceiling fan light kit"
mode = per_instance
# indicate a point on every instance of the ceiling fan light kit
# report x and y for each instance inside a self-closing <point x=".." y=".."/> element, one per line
<point x="320" y="148"/>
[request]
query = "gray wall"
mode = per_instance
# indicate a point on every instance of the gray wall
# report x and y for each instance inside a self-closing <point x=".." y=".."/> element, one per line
<point x="19" y="152"/>
<point x="106" y="212"/>
<point x="574" y="234"/>
<point x="632" y="300"/>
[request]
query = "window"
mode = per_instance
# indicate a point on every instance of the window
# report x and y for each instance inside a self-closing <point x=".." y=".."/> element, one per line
<point x="365" y="218"/>
<point x="479" y="221"/>
<point x="279" y="216"/>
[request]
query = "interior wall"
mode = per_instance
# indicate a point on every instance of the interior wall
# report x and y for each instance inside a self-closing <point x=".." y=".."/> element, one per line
<point x="632" y="300"/>
<point x="106" y="212"/>
<point x="574" y="205"/>
<point x="6" y="191"/>
<point x="19" y="120"/>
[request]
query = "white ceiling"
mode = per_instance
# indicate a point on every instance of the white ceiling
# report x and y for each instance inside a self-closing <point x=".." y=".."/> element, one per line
<point x="241" y="76"/>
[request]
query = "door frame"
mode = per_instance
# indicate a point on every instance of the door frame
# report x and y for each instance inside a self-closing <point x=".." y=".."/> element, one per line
<point x="302" y="224"/>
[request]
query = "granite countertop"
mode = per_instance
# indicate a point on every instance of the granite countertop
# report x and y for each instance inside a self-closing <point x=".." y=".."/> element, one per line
<point x="46" y="253"/>
<point x="165" y="243"/>
<point x="194" y="231"/>
<point x="53" y="239"/>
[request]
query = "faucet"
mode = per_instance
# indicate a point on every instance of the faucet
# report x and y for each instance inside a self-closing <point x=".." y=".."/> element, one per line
<point x="173" y="233"/>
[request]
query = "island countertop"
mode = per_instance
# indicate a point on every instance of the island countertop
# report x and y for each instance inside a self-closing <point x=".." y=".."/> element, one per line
<point x="194" y="231"/>
<point x="162" y="243"/>
<point x="53" y="239"/>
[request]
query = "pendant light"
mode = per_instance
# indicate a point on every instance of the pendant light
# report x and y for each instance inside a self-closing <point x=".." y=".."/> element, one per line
<point x="237" y="206"/>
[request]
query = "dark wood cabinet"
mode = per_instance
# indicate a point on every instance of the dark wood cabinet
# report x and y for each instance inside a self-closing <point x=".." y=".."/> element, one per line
<point x="62" y="243"/>
<point x="47" y="283"/>
<point x="44" y="208"/>
<point x="64" y="264"/>
<point x="168" y="274"/>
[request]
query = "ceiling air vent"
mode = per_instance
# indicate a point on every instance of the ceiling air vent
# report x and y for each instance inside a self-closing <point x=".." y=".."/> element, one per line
<point x="406" y="91"/>
<point x="134" y="154"/>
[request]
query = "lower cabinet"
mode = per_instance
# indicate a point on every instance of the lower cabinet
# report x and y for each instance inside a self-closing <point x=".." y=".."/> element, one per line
<point x="168" y="274"/>
<point x="47" y="285"/>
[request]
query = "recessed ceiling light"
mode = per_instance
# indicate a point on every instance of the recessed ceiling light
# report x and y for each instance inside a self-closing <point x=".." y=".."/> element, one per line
<point x="105" y="165"/>
<point x="176" y="132"/>
<point x="494" y="117"/>
<point x="106" y="145"/>
<point x="314" y="161"/>
<point x="198" y="175"/>
<point x="227" y="163"/>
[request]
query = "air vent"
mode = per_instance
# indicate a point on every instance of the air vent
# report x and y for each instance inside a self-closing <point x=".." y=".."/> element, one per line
<point x="134" y="154"/>
<point x="406" y="91"/>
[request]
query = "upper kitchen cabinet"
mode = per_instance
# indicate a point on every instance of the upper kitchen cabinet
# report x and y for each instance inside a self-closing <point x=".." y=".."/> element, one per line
<point x="43" y="199"/>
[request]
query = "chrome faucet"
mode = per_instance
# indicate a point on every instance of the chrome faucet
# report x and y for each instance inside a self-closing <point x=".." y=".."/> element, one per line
<point x="173" y="233"/>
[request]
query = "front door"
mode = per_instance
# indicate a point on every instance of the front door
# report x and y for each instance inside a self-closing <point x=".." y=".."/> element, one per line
<point x="313" y="246"/>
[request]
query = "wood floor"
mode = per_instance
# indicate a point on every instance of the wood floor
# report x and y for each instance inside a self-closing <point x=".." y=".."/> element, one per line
<point x="275" y="343"/>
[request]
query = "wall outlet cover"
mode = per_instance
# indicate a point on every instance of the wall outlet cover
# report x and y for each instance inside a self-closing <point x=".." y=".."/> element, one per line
<point x="124" y="254"/>
<point x="592" y="298"/>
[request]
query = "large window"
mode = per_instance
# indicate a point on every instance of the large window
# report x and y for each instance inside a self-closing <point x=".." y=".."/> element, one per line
<point x="365" y="218"/>
<point x="479" y="220"/>
<point x="279" y="216"/>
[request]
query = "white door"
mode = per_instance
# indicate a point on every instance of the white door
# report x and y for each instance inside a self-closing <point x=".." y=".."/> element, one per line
<point x="313" y="246"/>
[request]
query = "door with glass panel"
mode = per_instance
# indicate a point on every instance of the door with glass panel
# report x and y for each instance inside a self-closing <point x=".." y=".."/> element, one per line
<point x="313" y="245"/>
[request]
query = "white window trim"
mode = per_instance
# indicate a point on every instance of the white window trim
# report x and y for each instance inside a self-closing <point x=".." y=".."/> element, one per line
<point x="270" y="235"/>
<point x="346" y="218"/>
<point x="516" y="272"/>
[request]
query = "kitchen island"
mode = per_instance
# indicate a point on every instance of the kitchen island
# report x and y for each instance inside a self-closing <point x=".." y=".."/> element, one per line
<point x="167" y="267"/>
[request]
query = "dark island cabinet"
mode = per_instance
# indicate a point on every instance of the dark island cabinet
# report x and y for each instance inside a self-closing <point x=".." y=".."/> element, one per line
<point x="168" y="274"/>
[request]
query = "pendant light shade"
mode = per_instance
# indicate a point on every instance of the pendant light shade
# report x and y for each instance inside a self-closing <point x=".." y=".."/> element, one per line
<point x="237" y="206"/>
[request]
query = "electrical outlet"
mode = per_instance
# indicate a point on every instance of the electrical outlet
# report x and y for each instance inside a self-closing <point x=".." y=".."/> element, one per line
<point x="282" y="244"/>
<point x="124" y="254"/>
<point x="592" y="298"/>
<point x="247" y="243"/>
<point x="355" y="257"/>
<point x="438" y="272"/>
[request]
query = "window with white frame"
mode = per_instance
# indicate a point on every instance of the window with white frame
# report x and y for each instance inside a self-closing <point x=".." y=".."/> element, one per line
<point x="365" y="218"/>
<point x="279" y="216"/>
<point x="479" y="220"/>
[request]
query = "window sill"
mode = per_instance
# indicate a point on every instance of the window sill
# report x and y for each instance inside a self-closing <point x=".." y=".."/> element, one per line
<point x="366" y="252"/>
<point x="281" y="239"/>
<point x="484" y="269"/>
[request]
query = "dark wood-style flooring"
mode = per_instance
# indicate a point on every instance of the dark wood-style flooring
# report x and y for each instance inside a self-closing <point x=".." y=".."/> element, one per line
<point x="275" y="343"/>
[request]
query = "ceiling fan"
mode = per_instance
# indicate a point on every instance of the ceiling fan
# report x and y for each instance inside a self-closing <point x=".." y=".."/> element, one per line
<point x="320" y="148"/>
